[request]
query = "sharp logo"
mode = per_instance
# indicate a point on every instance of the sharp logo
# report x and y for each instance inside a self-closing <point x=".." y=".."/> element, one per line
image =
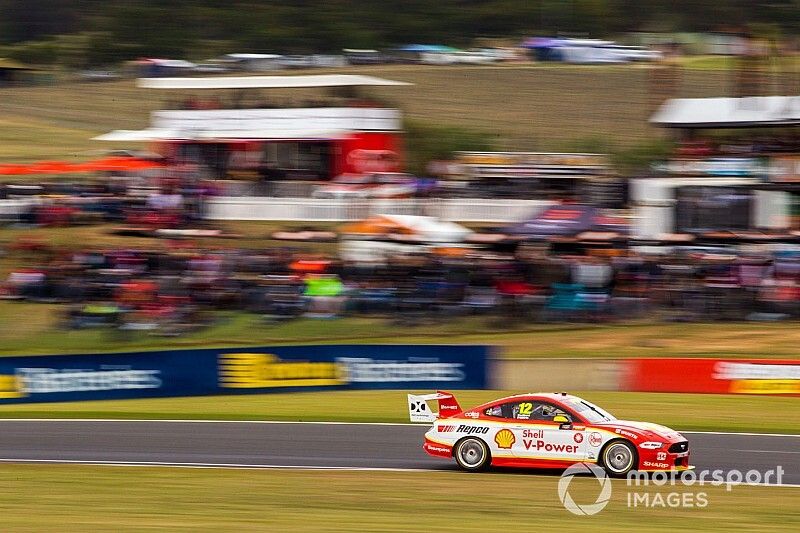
<point x="470" y="430"/>
<point x="445" y="429"/>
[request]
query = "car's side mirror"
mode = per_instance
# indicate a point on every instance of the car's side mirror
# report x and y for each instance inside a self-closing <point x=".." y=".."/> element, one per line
<point x="563" y="422"/>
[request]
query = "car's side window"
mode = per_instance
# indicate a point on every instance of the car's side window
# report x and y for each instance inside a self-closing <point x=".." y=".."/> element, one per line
<point x="546" y="411"/>
<point x="526" y="410"/>
<point x="496" y="410"/>
<point x="523" y="410"/>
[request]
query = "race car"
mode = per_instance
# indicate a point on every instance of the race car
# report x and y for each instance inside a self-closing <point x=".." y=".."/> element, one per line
<point x="545" y="430"/>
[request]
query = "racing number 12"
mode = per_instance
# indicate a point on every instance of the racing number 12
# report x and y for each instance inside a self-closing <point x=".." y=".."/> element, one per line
<point x="525" y="408"/>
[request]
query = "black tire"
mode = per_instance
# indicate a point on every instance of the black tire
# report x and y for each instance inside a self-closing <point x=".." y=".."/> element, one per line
<point x="472" y="454"/>
<point x="619" y="457"/>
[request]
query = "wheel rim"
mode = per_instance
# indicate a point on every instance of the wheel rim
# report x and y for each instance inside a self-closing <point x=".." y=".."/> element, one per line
<point x="471" y="453"/>
<point x="619" y="457"/>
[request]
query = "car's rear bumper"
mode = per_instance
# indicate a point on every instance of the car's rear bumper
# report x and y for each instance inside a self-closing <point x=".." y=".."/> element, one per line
<point x="437" y="449"/>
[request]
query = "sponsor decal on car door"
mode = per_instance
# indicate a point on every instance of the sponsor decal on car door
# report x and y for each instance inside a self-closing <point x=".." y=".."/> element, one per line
<point x="548" y="441"/>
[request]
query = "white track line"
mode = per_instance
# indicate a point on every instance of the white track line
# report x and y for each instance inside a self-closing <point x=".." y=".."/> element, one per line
<point x="232" y="466"/>
<point x="210" y="421"/>
<point x="795" y="435"/>
<point x="241" y="466"/>
<point x="204" y="421"/>
<point x="767" y="451"/>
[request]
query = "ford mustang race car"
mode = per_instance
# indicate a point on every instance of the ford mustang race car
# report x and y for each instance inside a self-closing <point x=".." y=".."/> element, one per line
<point x="545" y="431"/>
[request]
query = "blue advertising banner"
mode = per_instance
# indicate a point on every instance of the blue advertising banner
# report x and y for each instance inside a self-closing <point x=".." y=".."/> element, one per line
<point x="56" y="378"/>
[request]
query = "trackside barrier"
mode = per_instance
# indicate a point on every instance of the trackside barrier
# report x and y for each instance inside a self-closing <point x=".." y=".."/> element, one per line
<point x="555" y="375"/>
<point x="341" y="210"/>
<point x="720" y="376"/>
<point x="56" y="378"/>
<point x="332" y="367"/>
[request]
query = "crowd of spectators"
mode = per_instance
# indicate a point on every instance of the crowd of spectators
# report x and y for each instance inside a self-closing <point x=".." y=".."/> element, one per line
<point x="160" y="203"/>
<point x="181" y="288"/>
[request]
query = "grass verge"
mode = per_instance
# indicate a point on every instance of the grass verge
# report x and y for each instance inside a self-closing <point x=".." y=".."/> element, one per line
<point x="698" y="412"/>
<point x="85" y="498"/>
<point x="32" y="329"/>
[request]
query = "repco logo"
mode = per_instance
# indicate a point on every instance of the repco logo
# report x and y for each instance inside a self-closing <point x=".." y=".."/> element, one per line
<point x="470" y="430"/>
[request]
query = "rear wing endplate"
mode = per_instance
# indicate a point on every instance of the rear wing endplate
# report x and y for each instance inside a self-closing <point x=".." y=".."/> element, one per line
<point x="418" y="409"/>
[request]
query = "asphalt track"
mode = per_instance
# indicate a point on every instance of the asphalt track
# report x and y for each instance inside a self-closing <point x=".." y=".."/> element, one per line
<point x="313" y="445"/>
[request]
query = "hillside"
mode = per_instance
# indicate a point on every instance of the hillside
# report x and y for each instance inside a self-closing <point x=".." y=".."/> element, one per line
<point x="519" y="107"/>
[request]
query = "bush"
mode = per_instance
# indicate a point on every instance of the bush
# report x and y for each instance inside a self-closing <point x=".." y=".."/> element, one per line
<point x="34" y="52"/>
<point x="628" y="160"/>
<point x="637" y="158"/>
<point x="426" y="142"/>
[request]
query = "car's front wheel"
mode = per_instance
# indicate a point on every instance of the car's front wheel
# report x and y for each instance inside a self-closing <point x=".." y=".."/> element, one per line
<point x="472" y="454"/>
<point x="619" y="458"/>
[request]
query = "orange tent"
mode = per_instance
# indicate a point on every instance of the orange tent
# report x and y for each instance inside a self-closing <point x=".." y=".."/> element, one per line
<point x="411" y="227"/>
<point x="108" y="164"/>
<point x="49" y="167"/>
<point x="14" y="170"/>
<point x="376" y="225"/>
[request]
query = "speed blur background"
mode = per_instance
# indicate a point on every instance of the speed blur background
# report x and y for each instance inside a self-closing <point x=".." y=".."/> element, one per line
<point x="545" y="161"/>
<point x="584" y="185"/>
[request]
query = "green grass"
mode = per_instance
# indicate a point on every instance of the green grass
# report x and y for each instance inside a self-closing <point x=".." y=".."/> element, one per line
<point x="524" y="106"/>
<point x="240" y="234"/>
<point x="33" y="329"/>
<point x="87" y="498"/>
<point x="688" y="412"/>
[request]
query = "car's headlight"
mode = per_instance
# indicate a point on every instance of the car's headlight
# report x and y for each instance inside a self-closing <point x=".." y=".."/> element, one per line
<point x="651" y="445"/>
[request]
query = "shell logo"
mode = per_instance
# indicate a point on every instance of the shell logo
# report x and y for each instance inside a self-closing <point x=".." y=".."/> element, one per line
<point x="505" y="439"/>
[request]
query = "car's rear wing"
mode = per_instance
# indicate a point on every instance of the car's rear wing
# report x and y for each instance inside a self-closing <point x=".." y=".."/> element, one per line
<point x="419" y="411"/>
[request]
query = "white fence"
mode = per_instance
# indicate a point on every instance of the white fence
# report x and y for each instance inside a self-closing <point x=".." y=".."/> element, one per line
<point x="327" y="210"/>
<point x="10" y="210"/>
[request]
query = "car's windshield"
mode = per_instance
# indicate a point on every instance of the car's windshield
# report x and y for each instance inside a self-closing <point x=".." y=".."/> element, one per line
<point x="589" y="411"/>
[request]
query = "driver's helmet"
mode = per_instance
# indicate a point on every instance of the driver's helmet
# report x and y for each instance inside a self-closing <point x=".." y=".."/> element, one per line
<point x="547" y="411"/>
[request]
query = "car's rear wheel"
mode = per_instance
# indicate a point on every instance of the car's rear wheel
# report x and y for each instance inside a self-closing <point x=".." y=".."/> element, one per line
<point x="472" y="454"/>
<point x="619" y="458"/>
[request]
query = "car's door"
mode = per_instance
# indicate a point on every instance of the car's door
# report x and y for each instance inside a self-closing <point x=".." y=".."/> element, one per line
<point x="546" y="432"/>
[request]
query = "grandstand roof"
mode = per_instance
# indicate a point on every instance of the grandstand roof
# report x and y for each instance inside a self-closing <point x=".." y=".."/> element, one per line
<point x="267" y="82"/>
<point x="728" y="112"/>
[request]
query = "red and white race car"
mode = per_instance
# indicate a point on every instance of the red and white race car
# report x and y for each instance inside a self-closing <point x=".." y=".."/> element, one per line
<point x="545" y="431"/>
